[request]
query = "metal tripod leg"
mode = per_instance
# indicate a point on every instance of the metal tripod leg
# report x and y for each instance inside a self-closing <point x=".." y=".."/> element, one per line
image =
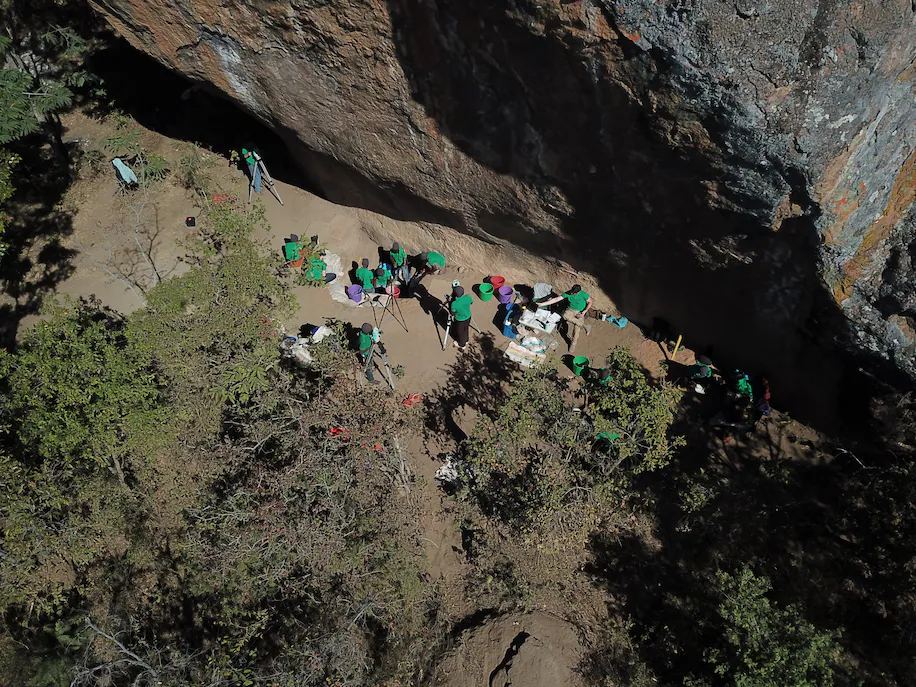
<point x="384" y="357"/>
<point x="397" y="304"/>
<point x="448" y="326"/>
<point x="269" y="181"/>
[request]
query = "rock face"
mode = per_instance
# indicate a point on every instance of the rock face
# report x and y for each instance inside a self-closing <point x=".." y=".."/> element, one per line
<point x="744" y="169"/>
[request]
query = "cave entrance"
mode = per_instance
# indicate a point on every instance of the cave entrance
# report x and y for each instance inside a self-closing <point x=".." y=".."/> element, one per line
<point x="169" y="104"/>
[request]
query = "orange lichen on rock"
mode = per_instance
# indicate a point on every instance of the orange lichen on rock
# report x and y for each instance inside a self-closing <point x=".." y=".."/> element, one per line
<point x="903" y="195"/>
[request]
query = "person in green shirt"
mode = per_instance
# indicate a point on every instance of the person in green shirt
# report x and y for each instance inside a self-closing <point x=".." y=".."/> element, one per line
<point x="292" y="248"/>
<point x="578" y="303"/>
<point x="702" y="369"/>
<point x="398" y="262"/>
<point x="382" y="277"/>
<point x="365" y="348"/>
<point x="430" y="262"/>
<point x="435" y="262"/>
<point x="316" y="269"/>
<point x="251" y="159"/>
<point x="365" y="277"/>
<point x="460" y="308"/>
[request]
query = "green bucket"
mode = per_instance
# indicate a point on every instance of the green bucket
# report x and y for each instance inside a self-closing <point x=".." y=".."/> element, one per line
<point x="485" y="291"/>
<point x="579" y="363"/>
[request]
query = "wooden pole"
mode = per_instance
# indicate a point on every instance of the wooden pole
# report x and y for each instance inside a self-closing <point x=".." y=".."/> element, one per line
<point x="677" y="346"/>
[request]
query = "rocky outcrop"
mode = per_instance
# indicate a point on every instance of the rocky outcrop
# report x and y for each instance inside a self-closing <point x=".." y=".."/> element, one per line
<point x="743" y="168"/>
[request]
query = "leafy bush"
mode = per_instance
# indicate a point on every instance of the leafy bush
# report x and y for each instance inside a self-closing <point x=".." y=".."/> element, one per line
<point x="25" y="100"/>
<point x="538" y="477"/>
<point x="77" y="396"/>
<point x="212" y="329"/>
<point x="78" y="392"/>
<point x="539" y="456"/>
<point x="7" y="162"/>
<point x="194" y="170"/>
<point x="765" y="645"/>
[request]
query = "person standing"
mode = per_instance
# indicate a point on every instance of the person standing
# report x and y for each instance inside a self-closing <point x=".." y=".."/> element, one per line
<point x="460" y="308"/>
<point x="398" y="262"/>
<point x="254" y="172"/>
<point x="365" y="277"/>
<point x="578" y="303"/>
<point x="365" y="342"/>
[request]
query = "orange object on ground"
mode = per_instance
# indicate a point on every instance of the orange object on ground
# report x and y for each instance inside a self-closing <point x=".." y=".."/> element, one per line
<point x="336" y="431"/>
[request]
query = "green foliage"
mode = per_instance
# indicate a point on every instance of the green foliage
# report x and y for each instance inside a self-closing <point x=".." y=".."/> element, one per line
<point x="8" y="162"/>
<point x="764" y="644"/>
<point x="153" y="167"/>
<point x="127" y="144"/>
<point x="77" y="396"/>
<point x="33" y="90"/>
<point x="77" y="391"/>
<point x="307" y="276"/>
<point x="639" y="411"/>
<point x="25" y="102"/>
<point x="537" y="482"/>
<point x="538" y="455"/>
<point x="212" y="329"/>
<point x="194" y="170"/>
<point x="323" y="519"/>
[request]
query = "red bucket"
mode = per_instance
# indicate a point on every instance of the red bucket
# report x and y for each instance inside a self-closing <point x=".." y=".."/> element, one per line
<point x="497" y="282"/>
<point x="395" y="292"/>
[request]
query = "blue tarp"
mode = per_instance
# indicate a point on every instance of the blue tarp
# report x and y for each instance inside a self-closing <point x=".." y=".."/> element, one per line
<point x="125" y="173"/>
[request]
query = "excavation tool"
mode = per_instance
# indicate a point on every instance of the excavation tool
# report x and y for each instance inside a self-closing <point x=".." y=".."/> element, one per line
<point x="260" y="168"/>
<point x="377" y="345"/>
<point x="386" y="305"/>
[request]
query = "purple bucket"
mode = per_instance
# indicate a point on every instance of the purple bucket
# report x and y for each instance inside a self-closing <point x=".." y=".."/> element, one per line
<point x="504" y="294"/>
<point x="355" y="292"/>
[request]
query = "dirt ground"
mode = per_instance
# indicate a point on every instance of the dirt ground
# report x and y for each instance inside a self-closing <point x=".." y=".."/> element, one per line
<point x="107" y="264"/>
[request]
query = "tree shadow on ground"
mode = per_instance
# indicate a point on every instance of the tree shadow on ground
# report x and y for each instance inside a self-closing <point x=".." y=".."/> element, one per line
<point x="835" y="532"/>
<point x="478" y="381"/>
<point x="35" y="262"/>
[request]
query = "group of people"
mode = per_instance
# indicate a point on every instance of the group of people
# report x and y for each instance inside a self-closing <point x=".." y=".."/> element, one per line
<point x="397" y="267"/>
<point x="739" y="400"/>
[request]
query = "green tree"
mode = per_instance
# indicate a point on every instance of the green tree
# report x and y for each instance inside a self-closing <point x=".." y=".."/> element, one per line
<point x="633" y="413"/>
<point x="77" y="392"/>
<point x="26" y="102"/>
<point x="80" y="408"/>
<point x="765" y="644"/>
<point x="7" y="162"/>
<point x="540" y="475"/>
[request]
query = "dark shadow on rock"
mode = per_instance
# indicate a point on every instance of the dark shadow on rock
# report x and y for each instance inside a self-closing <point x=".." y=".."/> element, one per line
<point x="187" y="111"/>
<point x="549" y="111"/>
